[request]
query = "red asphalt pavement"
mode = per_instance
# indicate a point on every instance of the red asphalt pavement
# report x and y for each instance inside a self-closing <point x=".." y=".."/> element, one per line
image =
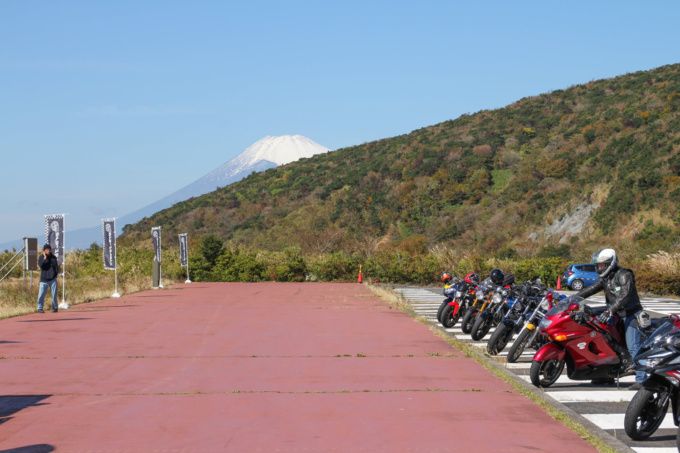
<point x="259" y="367"/>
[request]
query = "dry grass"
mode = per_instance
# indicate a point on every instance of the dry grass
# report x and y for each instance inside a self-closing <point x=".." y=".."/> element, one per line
<point x="664" y="262"/>
<point x="17" y="299"/>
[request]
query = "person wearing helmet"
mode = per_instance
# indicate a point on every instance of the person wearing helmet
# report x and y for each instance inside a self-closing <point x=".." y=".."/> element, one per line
<point x="621" y="297"/>
<point x="497" y="276"/>
<point x="446" y="277"/>
<point x="472" y="277"/>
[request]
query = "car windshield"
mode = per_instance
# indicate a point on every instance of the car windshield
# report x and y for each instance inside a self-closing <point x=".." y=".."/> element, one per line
<point x="663" y="331"/>
<point x="563" y="305"/>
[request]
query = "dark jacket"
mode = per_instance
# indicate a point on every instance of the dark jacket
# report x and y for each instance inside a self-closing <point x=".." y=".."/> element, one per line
<point x="619" y="290"/>
<point x="49" y="268"/>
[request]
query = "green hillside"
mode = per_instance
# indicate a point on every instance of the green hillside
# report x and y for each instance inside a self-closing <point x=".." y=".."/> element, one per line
<point x="482" y="182"/>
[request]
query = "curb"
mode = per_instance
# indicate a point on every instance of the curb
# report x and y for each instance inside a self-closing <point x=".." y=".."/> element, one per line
<point x="595" y="430"/>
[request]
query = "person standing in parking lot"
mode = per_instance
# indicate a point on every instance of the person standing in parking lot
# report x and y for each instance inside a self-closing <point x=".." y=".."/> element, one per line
<point x="622" y="297"/>
<point x="49" y="270"/>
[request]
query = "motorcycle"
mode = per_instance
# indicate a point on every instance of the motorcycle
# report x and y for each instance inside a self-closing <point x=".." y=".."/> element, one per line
<point x="526" y="299"/>
<point x="453" y="293"/>
<point x="481" y="292"/>
<point x="491" y="313"/>
<point x="659" y="357"/>
<point x="530" y="336"/>
<point x="589" y="349"/>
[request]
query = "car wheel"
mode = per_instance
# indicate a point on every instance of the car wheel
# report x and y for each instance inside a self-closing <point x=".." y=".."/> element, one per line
<point x="577" y="285"/>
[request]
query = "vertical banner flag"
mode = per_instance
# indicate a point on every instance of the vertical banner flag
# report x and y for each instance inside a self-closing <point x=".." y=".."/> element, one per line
<point x="183" y="250"/>
<point x="109" y="248"/>
<point x="54" y="235"/>
<point x="156" y="236"/>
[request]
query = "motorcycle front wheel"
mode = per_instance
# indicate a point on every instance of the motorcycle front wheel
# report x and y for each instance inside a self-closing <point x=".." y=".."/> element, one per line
<point x="481" y="327"/>
<point x="500" y="339"/>
<point x="441" y="310"/>
<point x="645" y="413"/>
<point x="468" y="321"/>
<point x="519" y="345"/>
<point x="544" y="374"/>
<point x="448" y="318"/>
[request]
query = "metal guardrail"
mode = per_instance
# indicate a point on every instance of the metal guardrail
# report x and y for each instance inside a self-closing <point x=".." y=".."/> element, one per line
<point x="15" y="264"/>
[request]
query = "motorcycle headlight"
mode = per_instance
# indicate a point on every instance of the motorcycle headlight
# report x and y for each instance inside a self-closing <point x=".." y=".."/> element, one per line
<point x="504" y="292"/>
<point x="656" y="359"/>
<point x="545" y="323"/>
<point x="545" y="305"/>
<point x="517" y="305"/>
<point x="480" y="295"/>
<point x="497" y="298"/>
<point x="459" y="294"/>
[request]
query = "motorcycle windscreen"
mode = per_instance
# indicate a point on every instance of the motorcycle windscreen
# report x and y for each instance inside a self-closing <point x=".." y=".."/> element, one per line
<point x="659" y="334"/>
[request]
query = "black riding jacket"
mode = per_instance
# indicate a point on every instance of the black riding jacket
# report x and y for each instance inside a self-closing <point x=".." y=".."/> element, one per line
<point x="619" y="290"/>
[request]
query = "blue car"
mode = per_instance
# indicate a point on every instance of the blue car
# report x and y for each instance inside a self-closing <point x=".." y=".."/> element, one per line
<point x="579" y="276"/>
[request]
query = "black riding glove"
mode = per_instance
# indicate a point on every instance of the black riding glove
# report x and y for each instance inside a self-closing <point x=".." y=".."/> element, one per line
<point x="604" y="317"/>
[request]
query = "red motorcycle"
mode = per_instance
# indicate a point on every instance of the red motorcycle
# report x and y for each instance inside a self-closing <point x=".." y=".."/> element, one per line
<point x="588" y="348"/>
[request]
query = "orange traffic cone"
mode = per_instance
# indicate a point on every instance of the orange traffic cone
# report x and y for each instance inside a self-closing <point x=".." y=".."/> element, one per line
<point x="559" y="283"/>
<point x="361" y="279"/>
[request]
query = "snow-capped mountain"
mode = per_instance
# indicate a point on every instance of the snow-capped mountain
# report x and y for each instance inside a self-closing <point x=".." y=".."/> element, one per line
<point x="269" y="152"/>
<point x="266" y="153"/>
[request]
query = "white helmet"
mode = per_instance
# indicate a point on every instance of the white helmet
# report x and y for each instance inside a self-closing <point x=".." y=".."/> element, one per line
<point x="606" y="256"/>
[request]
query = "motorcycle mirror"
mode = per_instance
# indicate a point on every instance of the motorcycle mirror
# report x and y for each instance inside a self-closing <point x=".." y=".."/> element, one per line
<point x="573" y="307"/>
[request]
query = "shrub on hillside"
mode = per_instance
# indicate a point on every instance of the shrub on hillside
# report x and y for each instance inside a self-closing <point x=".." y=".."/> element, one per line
<point x="547" y="269"/>
<point x="662" y="284"/>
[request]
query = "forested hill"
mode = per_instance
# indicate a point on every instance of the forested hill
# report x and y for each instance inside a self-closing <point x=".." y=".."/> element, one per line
<point x="601" y="157"/>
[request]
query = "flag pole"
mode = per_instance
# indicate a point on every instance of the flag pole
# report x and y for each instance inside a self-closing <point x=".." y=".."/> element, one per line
<point x="160" y="262"/>
<point x="63" y="303"/>
<point x="115" y="257"/>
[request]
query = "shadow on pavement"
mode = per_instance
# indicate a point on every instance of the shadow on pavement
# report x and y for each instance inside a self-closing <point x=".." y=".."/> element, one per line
<point x="37" y="448"/>
<point x="57" y="319"/>
<point x="11" y="404"/>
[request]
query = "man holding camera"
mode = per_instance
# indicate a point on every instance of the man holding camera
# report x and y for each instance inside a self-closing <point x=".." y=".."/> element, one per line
<point x="49" y="269"/>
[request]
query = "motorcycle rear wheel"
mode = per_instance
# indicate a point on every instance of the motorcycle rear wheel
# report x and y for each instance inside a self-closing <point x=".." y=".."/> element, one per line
<point x="448" y="318"/>
<point x="468" y="321"/>
<point x="544" y="374"/>
<point x="481" y="327"/>
<point x="500" y="339"/>
<point x="644" y="414"/>
<point x="519" y="346"/>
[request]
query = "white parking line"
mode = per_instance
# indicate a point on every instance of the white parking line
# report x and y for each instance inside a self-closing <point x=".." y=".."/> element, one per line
<point x="591" y="396"/>
<point x="615" y="421"/>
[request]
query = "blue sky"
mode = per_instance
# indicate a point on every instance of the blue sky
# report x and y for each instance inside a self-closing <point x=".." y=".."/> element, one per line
<point x="106" y="107"/>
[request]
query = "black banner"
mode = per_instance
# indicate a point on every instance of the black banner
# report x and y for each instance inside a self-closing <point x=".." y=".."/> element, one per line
<point x="156" y="236"/>
<point x="183" y="250"/>
<point x="54" y="235"/>
<point x="109" y="243"/>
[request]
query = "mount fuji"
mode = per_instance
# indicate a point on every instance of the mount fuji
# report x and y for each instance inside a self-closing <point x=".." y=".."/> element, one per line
<point x="269" y="152"/>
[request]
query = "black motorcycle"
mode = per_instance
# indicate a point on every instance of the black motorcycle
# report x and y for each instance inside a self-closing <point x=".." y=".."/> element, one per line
<point x="529" y="336"/>
<point x="659" y="357"/>
<point x="491" y="314"/>
<point x="524" y="299"/>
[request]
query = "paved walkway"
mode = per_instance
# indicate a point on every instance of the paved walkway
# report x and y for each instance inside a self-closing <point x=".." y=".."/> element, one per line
<point x="257" y="368"/>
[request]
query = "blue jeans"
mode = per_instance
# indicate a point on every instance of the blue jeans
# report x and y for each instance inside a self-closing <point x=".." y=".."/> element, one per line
<point x="52" y="284"/>
<point x="633" y="342"/>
